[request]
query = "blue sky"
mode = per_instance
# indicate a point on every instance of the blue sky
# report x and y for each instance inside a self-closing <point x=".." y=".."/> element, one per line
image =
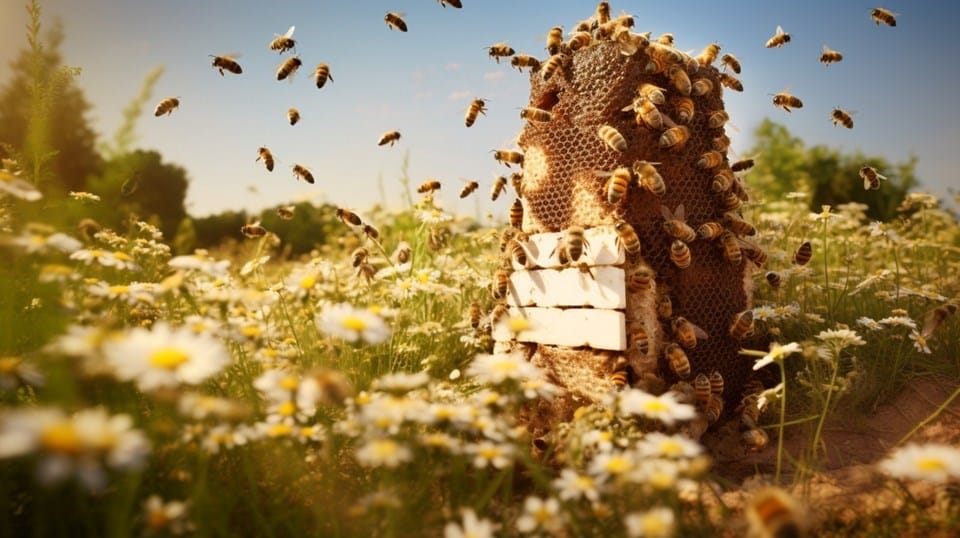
<point x="901" y="81"/>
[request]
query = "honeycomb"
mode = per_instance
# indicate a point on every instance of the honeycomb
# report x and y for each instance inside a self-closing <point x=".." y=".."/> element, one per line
<point x="565" y="170"/>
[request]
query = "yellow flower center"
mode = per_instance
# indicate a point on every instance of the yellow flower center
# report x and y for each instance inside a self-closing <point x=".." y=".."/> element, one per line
<point x="287" y="409"/>
<point x="289" y="383"/>
<point x="122" y="256"/>
<point x="617" y="465"/>
<point x="9" y="365"/>
<point x="489" y="452"/>
<point x="308" y="282"/>
<point x="168" y="358"/>
<point x="653" y="525"/>
<point x="61" y="437"/>
<point x="384" y="447"/>
<point x="670" y="448"/>
<point x="307" y="431"/>
<point x="118" y="290"/>
<point x="280" y="430"/>
<point x="353" y="323"/>
<point x="251" y="331"/>
<point x="157" y="519"/>
<point x="655" y="406"/>
<point x="518" y="324"/>
<point x="37" y="239"/>
<point x="931" y="464"/>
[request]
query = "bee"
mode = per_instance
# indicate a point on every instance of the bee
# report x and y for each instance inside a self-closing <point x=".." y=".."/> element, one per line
<point x="709" y="230"/>
<point x="474" y="314"/>
<point x="500" y="50"/>
<point x="683" y="108"/>
<point x="348" y="217"/>
<point x="621" y="372"/>
<point x="731" y="248"/>
<point x="665" y="39"/>
<point x="738" y="189"/>
<point x="680" y="254"/>
<point x="554" y="40"/>
<point x="303" y="173"/>
<point x="499" y="185"/>
<point x="803" y="253"/>
<point x="288" y="67"/>
<point x="675" y="224"/>
<point x="627" y="239"/>
<point x="166" y="106"/>
<point x="366" y="271"/>
<point x="729" y="200"/>
<point x="723" y="180"/>
<point x="359" y="256"/>
<point x="787" y="101"/>
<point x="571" y="245"/>
<point x="552" y="64"/>
<point x="664" y="307"/>
<point x="647" y="113"/>
<point x="774" y="278"/>
<point x="253" y="230"/>
<point x="756" y="440"/>
<point x="779" y="39"/>
<point x="518" y="252"/>
<point x="285" y="212"/>
<point x="371" y="232"/>
<point x="395" y="20"/>
<point x="716" y="383"/>
<point x="523" y="60"/>
<point x="686" y="332"/>
<point x="452" y="3"/>
<point x="508" y="157"/>
<point x="477" y="107"/>
<point x="720" y="143"/>
<point x="516" y="214"/>
<point x="429" y="186"/>
<point x="713" y="409"/>
<point x="402" y="254"/>
<point x="629" y="42"/>
<point x="652" y="93"/>
<point x="829" y="56"/>
<point x="730" y="61"/>
<point x="638" y="338"/>
<point x="264" y="153"/>
<point x="709" y="54"/>
<point x="701" y="387"/>
<point x="742" y="325"/>
<point x="710" y="159"/>
<point x="602" y="15"/>
<point x="878" y="14"/>
<point x="731" y="82"/>
<point x="649" y="178"/>
<point x="678" y="361"/>
<point x="640" y="279"/>
<point x="389" y="137"/>
<point x="612" y="138"/>
<point x="742" y="164"/>
<point x="717" y="119"/>
<point x="468" y="189"/>
<point x="579" y="41"/>
<point x="701" y="86"/>
<point x="841" y="116"/>
<point x="534" y="114"/>
<point x="680" y="79"/>
<point x="501" y="280"/>
<point x="617" y="184"/>
<point x="753" y="252"/>
<point x="737" y="224"/>
<point x="675" y="137"/>
<point x="871" y="178"/>
<point x="226" y="63"/>
<point x="321" y="74"/>
<point x="935" y="318"/>
<point x="284" y="42"/>
<point x="749" y="412"/>
<point x="516" y="179"/>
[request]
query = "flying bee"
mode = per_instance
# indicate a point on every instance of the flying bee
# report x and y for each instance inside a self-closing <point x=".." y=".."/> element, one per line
<point x="652" y="93"/>
<point x="166" y="106"/>
<point x="579" y="40"/>
<point x="303" y="173"/>
<point x="639" y="339"/>
<point x="571" y="245"/>
<point x="359" y="256"/>
<point x="321" y="74"/>
<point x="395" y="20"/>
<point x="264" y="153"/>
<point x="627" y="239"/>
<point x="686" y="332"/>
<point x="742" y="325"/>
<point x="935" y="318"/>
<point x="720" y="143"/>
<point x="680" y="79"/>
<point x="554" y="40"/>
<point x="285" y="212"/>
<point x="371" y="232"/>
<point x="468" y="189"/>
<point x="649" y="178"/>
<point x="474" y="314"/>
<point x="709" y="230"/>
<point x="640" y="279"/>
<point x="772" y="511"/>
<point x="429" y="186"/>
<point x="402" y="254"/>
<point x="701" y="86"/>
<point x="683" y="108"/>
<point x="452" y="3"/>
<point x="737" y="224"/>
<point x="227" y="63"/>
<point x="552" y="64"/>
<point x="729" y="200"/>
<point x="534" y="114"/>
<point x="366" y="271"/>
<point x="716" y="383"/>
<point x="713" y="409"/>
<point x="779" y="39"/>
<point x="742" y="164"/>
<point x="675" y="137"/>
<point x="710" y="159"/>
<point x="500" y="50"/>
<point x="477" y="107"/>
<point x="787" y="101"/>
<point x="678" y="361"/>
<point x="709" y="54"/>
<point x="499" y="185"/>
<point x="516" y="214"/>
<point x="730" y="247"/>
<point x="731" y="82"/>
<point x="501" y="280"/>
<point x="284" y="42"/>
<point x="621" y="372"/>
<point x="842" y="117"/>
<point x="723" y="180"/>
<point x="664" y="307"/>
<point x="774" y="278"/>
<point x="389" y="137"/>
<point x="871" y="178"/>
<point x="878" y="14"/>
<point x="348" y="217"/>
<point x="829" y="56"/>
<point x="288" y="67"/>
<point x="701" y="388"/>
<point x="516" y="179"/>
<point x="730" y="61"/>
<point x="803" y="253"/>
<point x="253" y="230"/>
<point x="617" y="185"/>
<point x="508" y="157"/>
<point x="675" y="224"/>
<point x="717" y="119"/>
<point x="680" y="254"/>
<point x="612" y="138"/>
<point x="293" y="115"/>
<point x="524" y="60"/>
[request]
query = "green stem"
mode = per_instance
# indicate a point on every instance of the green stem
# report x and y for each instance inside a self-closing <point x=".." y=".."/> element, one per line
<point x="826" y="274"/>
<point x="783" y="413"/>
<point x="930" y="418"/>
<point x="826" y="404"/>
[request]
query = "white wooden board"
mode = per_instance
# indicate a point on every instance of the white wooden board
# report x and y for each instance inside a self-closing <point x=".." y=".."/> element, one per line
<point x="606" y="288"/>
<point x="602" y="249"/>
<point x="573" y="327"/>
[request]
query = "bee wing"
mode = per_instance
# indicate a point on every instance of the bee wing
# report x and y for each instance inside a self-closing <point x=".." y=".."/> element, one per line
<point x="680" y="213"/>
<point x="701" y="334"/>
<point x="665" y="211"/>
<point x="930" y="323"/>
<point x="289" y="33"/>
<point x="780" y="30"/>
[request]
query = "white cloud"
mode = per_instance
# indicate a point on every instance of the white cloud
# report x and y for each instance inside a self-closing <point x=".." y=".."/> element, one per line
<point x="452" y="66"/>
<point x="493" y="75"/>
<point x="459" y="95"/>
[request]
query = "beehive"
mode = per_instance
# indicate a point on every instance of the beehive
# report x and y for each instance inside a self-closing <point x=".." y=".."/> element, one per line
<point x="565" y="169"/>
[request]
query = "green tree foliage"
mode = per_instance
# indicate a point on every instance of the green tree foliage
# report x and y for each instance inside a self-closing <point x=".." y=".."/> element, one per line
<point x="186" y="239"/>
<point x="784" y="164"/>
<point x="215" y="229"/>
<point x="310" y="226"/>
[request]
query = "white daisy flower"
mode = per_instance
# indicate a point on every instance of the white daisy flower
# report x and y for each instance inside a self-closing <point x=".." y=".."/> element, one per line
<point x="351" y="324"/>
<point x="170" y="517"/>
<point x="933" y="462"/>
<point x="540" y="514"/>
<point x="920" y="342"/>
<point x="500" y="367"/>
<point x="471" y="527"/>
<point x="777" y="354"/>
<point x="200" y="262"/>
<point x="18" y="187"/>
<point x="488" y="453"/>
<point x="664" y="408"/>
<point x="572" y="485"/>
<point x="383" y="452"/>
<point x="660" y="445"/>
<point x="654" y="523"/>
